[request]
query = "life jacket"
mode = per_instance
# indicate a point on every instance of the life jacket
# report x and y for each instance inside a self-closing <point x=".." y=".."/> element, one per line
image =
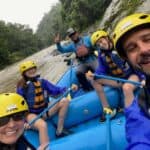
<point x="36" y="96"/>
<point x="117" y="66"/>
<point x="82" y="51"/>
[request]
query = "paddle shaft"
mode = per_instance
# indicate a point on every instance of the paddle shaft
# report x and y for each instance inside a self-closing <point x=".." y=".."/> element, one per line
<point x="119" y="79"/>
<point x="50" y="106"/>
<point x="108" y="135"/>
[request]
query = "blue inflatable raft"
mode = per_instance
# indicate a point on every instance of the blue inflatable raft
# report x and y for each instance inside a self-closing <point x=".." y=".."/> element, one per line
<point x="83" y="120"/>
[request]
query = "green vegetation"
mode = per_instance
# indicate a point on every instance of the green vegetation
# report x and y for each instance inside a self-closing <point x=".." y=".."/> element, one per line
<point x="16" y="42"/>
<point x="130" y="5"/>
<point x="50" y="25"/>
<point x="79" y="14"/>
<point x="83" y="13"/>
<point x="127" y="7"/>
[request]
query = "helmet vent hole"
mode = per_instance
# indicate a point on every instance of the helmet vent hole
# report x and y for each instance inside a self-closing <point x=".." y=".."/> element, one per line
<point x="97" y="35"/>
<point x="7" y="94"/>
<point x="114" y="36"/>
<point x="143" y="16"/>
<point x="23" y="102"/>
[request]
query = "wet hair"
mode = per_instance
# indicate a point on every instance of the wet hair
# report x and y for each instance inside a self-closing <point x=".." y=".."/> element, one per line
<point x="22" y="83"/>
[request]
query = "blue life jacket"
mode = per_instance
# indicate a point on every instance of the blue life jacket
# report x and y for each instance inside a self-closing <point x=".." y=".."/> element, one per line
<point x="72" y="47"/>
<point x="115" y="65"/>
<point x="82" y="44"/>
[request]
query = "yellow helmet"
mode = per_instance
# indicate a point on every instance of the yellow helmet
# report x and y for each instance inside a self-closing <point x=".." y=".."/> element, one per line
<point x="27" y="65"/>
<point x="11" y="103"/>
<point x="126" y="25"/>
<point x="97" y="35"/>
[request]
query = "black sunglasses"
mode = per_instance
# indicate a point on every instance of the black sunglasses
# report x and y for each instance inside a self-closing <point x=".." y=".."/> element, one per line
<point x="16" y="117"/>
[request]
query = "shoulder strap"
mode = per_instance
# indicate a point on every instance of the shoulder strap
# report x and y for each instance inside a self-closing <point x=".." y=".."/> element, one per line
<point x="144" y="100"/>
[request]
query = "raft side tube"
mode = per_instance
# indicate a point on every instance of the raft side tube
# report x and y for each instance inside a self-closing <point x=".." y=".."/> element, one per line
<point x="94" y="138"/>
<point x="88" y="106"/>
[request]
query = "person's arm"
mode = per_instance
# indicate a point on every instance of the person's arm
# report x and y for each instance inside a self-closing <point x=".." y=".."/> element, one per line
<point x="52" y="89"/>
<point x="137" y="133"/>
<point x="65" y="49"/>
<point x="88" y="43"/>
<point x="101" y="69"/>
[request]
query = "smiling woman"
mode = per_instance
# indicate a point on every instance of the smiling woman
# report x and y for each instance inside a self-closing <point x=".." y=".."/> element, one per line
<point x="12" y="117"/>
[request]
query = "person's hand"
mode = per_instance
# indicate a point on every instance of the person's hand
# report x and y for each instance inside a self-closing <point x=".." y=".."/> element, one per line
<point x="57" y="38"/>
<point x="143" y="82"/>
<point x="74" y="87"/>
<point x="27" y="126"/>
<point x="96" y="53"/>
<point x="89" y="75"/>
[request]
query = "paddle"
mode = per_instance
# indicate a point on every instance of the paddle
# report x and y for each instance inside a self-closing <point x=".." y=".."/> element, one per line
<point x="139" y="84"/>
<point x="108" y="133"/>
<point x="70" y="79"/>
<point x="50" y="106"/>
<point x="72" y="85"/>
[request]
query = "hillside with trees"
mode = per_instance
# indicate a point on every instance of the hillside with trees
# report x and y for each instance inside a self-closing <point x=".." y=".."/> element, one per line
<point x="16" y="42"/>
<point x="79" y="14"/>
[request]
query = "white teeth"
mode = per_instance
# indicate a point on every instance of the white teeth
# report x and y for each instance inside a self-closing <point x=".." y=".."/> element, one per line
<point x="11" y="132"/>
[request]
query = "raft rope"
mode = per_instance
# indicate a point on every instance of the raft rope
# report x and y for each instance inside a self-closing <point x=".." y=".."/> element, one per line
<point x="138" y="84"/>
<point x="50" y="106"/>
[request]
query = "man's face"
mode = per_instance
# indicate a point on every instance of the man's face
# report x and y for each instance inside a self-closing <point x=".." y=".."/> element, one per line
<point x="137" y="47"/>
<point x="74" y="36"/>
<point x="104" y="43"/>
